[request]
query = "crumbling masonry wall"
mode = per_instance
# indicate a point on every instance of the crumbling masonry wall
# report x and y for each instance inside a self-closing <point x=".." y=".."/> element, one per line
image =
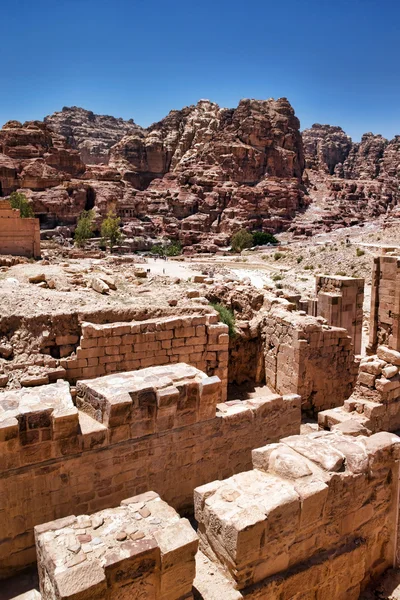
<point x="385" y="303"/>
<point x="316" y="516"/>
<point x="199" y="340"/>
<point x="340" y="301"/>
<point x="18" y="237"/>
<point x="141" y="549"/>
<point x="308" y="358"/>
<point x="56" y="460"/>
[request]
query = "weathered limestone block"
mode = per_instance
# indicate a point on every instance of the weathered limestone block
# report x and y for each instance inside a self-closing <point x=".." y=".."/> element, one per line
<point x="388" y="355"/>
<point x="140" y="549"/>
<point x="35" y="424"/>
<point x="150" y="400"/>
<point x="317" y="512"/>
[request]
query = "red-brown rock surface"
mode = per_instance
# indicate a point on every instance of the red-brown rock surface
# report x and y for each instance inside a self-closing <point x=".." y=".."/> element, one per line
<point x="93" y="135"/>
<point x="325" y="146"/>
<point x="350" y="182"/>
<point x="198" y="175"/>
<point x="207" y="170"/>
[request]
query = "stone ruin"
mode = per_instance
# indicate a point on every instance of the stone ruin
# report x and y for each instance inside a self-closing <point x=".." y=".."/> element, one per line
<point x="133" y="427"/>
<point x="18" y="237"/>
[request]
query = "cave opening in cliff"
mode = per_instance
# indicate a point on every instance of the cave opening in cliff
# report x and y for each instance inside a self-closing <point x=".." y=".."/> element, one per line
<point x="90" y="198"/>
<point x="1" y="190"/>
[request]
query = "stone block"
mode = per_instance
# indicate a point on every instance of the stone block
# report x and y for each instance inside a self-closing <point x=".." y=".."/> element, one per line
<point x="118" y="553"/>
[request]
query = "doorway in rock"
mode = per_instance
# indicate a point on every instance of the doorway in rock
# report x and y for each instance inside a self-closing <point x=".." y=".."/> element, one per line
<point x="90" y="198"/>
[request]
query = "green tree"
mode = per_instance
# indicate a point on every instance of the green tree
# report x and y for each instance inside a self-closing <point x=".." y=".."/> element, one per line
<point x="110" y="230"/>
<point x="173" y="248"/>
<point x="20" y="201"/>
<point x="241" y="239"/>
<point x="158" y="249"/>
<point x="260" y="238"/>
<point x="84" y="228"/>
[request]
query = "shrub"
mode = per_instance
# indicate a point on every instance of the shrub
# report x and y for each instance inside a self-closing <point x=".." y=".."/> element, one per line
<point x="261" y="239"/>
<point x="341" y="273"/>
<point x="360" y="252"/>
<point x="240" y="240"/>
<point x="110" y="231"/>
<point x="173" y="249"/>
<point x="299" y="259"/>
<point x="309" y="267"/>
<point x="276" y="277"/>
<point x="84" y="228"/>
<point x="20" y="201"/>
<point x="278" y="255"/>
<point x="226" y="316"/>
<point x="278" y="286"/>
<point x="158" y="249"/>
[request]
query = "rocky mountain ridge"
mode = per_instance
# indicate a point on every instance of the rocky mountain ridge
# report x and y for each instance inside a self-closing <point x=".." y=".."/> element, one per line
<point x="351" y="181"/>
<point x="201" y="173"/>
<point x="92" y="135"/>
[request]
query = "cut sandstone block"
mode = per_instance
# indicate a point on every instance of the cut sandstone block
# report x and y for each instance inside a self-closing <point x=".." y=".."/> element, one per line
<point x="141" y="549"/>
<point x="389" y="355"/>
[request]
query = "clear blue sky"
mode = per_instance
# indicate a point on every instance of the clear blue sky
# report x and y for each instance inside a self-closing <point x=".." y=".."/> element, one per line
<point x="337" y="61"/>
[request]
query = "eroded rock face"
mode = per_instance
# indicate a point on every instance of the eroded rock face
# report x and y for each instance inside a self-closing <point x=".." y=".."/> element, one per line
<point x="361" y="180"/>
<point x="92" y="135"/>
<point x="325" y="146"/>
<point x="205" y="172"/>
<point x="198" y="175"/>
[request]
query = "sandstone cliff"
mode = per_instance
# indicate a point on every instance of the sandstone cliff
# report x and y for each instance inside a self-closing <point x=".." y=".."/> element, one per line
<point x="198" y="175"/>
<point x="350" y="182"/>
<point x="93" y="135"/>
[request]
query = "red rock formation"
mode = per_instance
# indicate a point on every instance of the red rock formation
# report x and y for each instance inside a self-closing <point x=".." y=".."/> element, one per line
<point x="93" y="135"/>
<point x="325" y="146"/>
<point x="361" y="180"/>
<point x="210" y="170"/>
<point x="198" y="175"/>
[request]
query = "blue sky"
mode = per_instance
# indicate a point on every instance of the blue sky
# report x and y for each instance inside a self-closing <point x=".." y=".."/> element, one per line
<point x="337" y="61"/>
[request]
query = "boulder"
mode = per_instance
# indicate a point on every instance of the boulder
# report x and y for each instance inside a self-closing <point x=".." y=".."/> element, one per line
<point x="98" y="285"/>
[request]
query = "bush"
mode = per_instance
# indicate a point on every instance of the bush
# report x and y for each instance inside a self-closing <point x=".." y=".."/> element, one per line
<point x="173" y="249"/>
<point x="309" y="267"/>
<point x="360" y="252"/>
<point x="261" y="239"/>
<point x="158" y="249"/>
<point x="20" y="201"/>
<point x="110" y="231"/>
<point x="84" y="228"/>
<point x="278" y="255"/>
<point x="299" y="259"/>
<point x="226" y="316"/>
<point x="241" y="239"/>
<point x="276" y="277"/>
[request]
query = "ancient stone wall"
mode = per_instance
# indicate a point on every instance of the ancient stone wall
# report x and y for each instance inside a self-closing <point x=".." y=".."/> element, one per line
<point x="308" y="358"/>
<point x="340" y="302"/>
<point x="199" y="340"/>
<point x="141" y="549"/>
<point x="317" y="517"/>
<point x="56" y="460"/>
<point x="375" y="403"/>
<point x="18" y="237"/>
<point x="385" y="303"/>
